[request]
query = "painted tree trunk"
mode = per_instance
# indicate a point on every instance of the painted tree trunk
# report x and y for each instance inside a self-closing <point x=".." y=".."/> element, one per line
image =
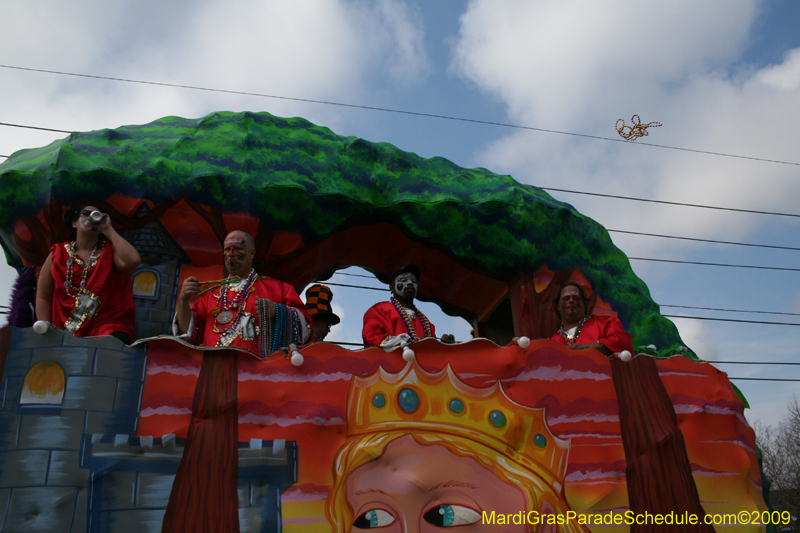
<point x="204" y="496"/>
<point x="533" y="314"/>
<point x="659" y="474"/>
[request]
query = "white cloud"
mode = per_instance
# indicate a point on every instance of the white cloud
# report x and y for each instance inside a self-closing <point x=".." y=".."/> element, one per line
<point x="696" y="335"/>
<point x="578" y="67"/>
<point x="785" y="76"/>
<point x="550" y="61"/>
<point x="319" y="49"/>
<point x="326" y="50"/>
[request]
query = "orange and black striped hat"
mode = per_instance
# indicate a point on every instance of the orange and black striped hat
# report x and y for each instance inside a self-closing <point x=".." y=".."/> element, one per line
<point x="318" y="303"/>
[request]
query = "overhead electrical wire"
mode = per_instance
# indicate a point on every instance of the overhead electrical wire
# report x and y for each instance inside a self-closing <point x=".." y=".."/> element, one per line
<point x="633" y="198"/>
<point x="529" y="128"/>
<point x="751" y="363"/>
<point x="570" y="191"/>
<point x="764" y="379"/>
<point x="757" y="267"/>
<point x="729" y="310"/>
<point x="660" y="305"/>
<point x="734" y="320"/>
<point x="712" y="241"/>
<point x="34" y="127"/>
<point x="669" y="316"/>
<point x="395" y="111"/>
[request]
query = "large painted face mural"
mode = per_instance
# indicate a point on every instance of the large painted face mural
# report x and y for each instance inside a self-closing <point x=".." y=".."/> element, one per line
<point x="498" y="433"/>
<point x="427" y="450"/>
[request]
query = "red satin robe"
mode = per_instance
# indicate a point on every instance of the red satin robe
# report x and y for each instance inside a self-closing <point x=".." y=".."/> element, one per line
<point x="383" y="319"/>
<point x="272" y="289"/>
<point x="114" y="289"/>
<point x="606" y="329"/>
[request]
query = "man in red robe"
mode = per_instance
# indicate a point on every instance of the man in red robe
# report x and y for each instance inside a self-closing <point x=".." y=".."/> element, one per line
<point x="388" y="324"/>
<point x="246" y="310"/>
<point x="85" y="285"/>
<point x="581" y="331"/>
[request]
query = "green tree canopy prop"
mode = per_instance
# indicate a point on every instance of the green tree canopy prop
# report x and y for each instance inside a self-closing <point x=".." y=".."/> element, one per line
<point x="296" y="176"/>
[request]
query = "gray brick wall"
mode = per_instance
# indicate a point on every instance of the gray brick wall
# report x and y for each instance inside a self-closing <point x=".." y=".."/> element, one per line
<point x="55" y="459"/>
<point x="42" y="485"/>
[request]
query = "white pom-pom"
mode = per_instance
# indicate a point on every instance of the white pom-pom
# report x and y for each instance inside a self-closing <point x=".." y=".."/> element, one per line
<point x="297" y="358"/>
<point x="683" y="349"/>
<point x="652" y="347"/>
<point x="625" y="355"/>
<point x="40" y="327"/>
<point x="408" y="354"/>
<point x="523" y="342"/>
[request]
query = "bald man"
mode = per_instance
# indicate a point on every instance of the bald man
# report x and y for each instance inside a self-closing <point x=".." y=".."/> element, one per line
<point x="254" y="312"/>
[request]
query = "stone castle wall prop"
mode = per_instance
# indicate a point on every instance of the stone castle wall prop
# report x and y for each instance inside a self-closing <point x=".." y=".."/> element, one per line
<point x="77" y="466"/>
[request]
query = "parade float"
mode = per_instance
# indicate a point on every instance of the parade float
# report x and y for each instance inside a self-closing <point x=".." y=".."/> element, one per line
<point x="99" y="436"/>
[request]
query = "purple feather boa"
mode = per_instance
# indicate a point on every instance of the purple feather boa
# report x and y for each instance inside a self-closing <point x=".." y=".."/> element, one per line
<point x="23" y="298"/>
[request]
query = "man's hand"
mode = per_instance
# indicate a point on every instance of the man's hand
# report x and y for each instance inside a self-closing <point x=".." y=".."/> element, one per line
<point x="577" y="346"/>
<point x="191" y="286"/>
<point x="391" y="342"/>
<point x="597" y="345"/>
<point x="448" y="338"/>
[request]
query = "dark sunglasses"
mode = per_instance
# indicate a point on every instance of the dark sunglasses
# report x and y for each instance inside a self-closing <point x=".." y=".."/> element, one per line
<point x="86" y="212"/>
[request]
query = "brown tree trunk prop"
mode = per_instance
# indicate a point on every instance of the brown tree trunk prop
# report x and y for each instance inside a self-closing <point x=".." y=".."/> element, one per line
<point x="659" y="474"/>
<point x="212" y="216"/>
<point x="532" y="312"/>
<point x="204" y="497"/>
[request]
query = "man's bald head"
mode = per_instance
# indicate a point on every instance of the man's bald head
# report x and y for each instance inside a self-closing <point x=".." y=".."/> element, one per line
<point x="241" y="236"/>
<point x="238" y="252"/>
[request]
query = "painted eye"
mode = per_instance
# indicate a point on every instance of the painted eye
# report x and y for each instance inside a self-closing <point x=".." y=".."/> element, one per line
<point x="451" y="515"/>
<point x="373" y="519"/>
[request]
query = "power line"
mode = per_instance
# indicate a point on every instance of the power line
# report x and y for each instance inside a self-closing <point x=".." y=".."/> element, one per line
<point x="361" y="344"/>
<point x="703" y="240"/>
<point x="355" y="275"/>
<point x="629" y="198"/>
<point x="765" y="379"/>
<point x="667" y="316"/>
<point x="734" y="320"/>
<point x="660" y="305"/>
<point x="396" y="111"/>
<point x="750" y="363"/>
<point x="33" y="127"/>
<point x="356" y="286"/>
<point x="569" y="191"/>
<point x="632" y="198"/>
<point x="623" y="231"/>
<point x="729" y="310"/>
<point x="758" y="267"/>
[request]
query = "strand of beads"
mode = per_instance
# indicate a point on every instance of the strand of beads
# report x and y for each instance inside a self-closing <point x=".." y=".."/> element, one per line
<point x="225" y="318"/>
<point x="574" y="338"/>
<point x="72" y="259"/>
<point x="279" y="337"/>
<point x="426" y="324"/>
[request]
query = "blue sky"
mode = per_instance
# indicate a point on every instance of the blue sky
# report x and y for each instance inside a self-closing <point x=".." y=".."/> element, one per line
<point x="722" y="76"/>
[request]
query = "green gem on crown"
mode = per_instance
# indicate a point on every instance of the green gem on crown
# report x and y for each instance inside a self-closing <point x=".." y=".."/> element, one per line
<point x="408" y="400"/>
<point x="456" y="406"/>
<point x="379" y="400"/>
<point x="497" y="419"/>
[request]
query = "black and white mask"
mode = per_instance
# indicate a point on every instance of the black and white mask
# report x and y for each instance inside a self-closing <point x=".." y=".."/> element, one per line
<point x="405" y="285"/>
